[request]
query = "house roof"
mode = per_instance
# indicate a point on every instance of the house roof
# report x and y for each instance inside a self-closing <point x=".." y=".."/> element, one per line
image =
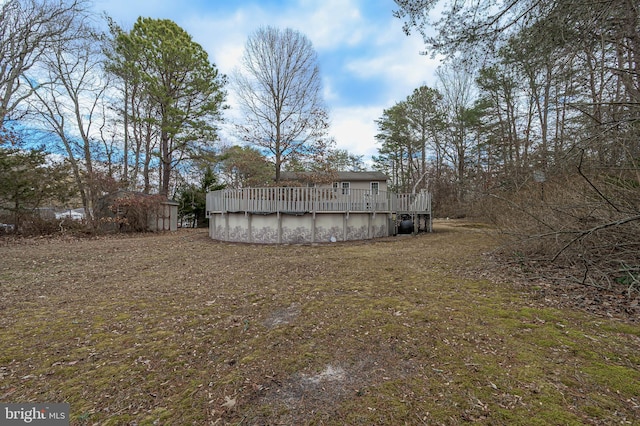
<point x="359" y="176"/>
<point x="341" y="176"/>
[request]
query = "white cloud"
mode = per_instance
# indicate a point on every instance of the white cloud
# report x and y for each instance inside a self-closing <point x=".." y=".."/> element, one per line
<point x="354" y="128"/>
<point x="223" y="38"/>
<point x="328" y="24"/>
<point x="397" y="62"/>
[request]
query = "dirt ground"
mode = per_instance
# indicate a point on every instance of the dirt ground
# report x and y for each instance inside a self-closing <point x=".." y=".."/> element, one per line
<point x="179" y="329"/>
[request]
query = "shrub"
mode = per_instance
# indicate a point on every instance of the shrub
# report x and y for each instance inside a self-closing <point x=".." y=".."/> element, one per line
<point x="129" y="211"/>
<point x="582" y="227"/>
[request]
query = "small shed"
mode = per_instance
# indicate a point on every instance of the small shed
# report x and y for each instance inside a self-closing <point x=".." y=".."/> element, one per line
<point x="165" y="218"/>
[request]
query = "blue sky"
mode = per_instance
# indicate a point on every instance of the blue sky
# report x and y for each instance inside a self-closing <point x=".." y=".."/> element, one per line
<point x="367" y="63"/>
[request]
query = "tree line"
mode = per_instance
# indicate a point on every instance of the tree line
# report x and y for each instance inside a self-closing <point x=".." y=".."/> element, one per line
<point x="534" y="123"/>
<point x="141" y="108"/>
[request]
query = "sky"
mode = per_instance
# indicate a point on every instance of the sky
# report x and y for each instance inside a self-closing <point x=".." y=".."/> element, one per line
<point x="367" y="63"/>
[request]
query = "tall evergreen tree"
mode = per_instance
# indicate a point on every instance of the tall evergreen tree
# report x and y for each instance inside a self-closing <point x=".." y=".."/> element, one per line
<point x="177" y="80"/>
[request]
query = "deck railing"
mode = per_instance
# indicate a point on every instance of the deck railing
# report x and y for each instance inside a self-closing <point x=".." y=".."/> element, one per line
<point x="412" y="203"/>
<point x="307" y="200"/>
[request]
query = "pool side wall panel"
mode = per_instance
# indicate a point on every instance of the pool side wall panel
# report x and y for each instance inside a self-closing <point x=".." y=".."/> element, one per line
<point x="297" y="228"/>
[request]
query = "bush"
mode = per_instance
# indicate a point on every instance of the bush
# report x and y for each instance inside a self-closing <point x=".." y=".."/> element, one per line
<point x="128" y="211"/>
<point x="583" y="227"/>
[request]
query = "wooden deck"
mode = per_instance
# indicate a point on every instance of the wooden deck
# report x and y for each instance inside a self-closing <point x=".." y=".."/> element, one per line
<point x="302" y="200"/>
<point x="309" y="215"/>
<point x="318" y="200"/>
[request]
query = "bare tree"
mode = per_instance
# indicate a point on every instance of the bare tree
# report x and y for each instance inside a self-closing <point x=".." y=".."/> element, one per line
<point x="72" y="108"/>
<point x="456" y="87"/>
<point x="423" y="108"/>
<point x="279" y="91"/>
<point x="28" y="28"/>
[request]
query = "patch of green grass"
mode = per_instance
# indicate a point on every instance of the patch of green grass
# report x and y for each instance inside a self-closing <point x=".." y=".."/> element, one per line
<point x="615" y="378"/>
<point x="622" y="328"/>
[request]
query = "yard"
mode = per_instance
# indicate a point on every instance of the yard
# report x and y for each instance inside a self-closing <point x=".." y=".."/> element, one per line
<point x="178" y="329"/>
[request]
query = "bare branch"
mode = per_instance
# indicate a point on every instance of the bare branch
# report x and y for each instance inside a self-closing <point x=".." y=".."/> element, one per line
<point x="28" y="29"/>
<point x="583" y="234"/>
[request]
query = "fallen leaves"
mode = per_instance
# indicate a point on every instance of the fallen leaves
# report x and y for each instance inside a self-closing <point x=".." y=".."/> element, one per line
<point x="229" y="403"/>
<point x="163" y="329"/>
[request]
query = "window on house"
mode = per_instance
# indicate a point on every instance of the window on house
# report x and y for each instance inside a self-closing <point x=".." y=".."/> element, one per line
<point x="345" y="188"/>
<point x="335" y="186"/>
<point x="375" y="187"/>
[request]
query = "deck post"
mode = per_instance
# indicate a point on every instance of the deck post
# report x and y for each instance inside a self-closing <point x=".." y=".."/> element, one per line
<point x="313" y="226"/>
<point x="279" y="220"/>
<point x="345" y="224"/>
<point x="226" y="226"/>
<point x="313" y="199"/>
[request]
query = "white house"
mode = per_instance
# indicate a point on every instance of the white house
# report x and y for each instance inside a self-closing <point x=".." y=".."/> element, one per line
<point x="373" y="181"/>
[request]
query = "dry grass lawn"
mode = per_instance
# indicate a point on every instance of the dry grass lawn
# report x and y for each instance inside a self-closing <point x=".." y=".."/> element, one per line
<point x="178" y="329"/>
